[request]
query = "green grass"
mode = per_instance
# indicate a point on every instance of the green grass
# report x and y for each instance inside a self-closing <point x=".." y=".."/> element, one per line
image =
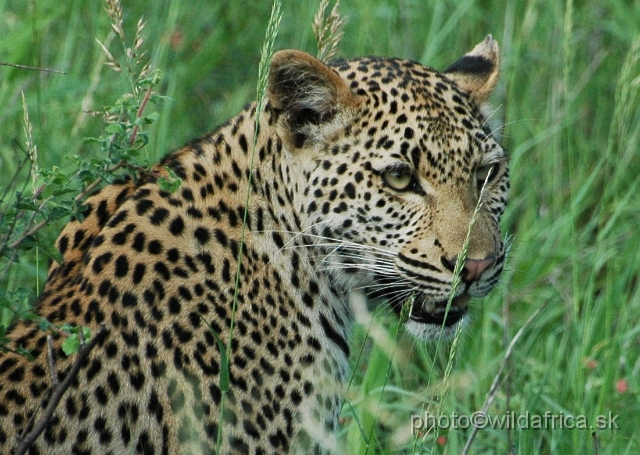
<point x="568" y="97"/>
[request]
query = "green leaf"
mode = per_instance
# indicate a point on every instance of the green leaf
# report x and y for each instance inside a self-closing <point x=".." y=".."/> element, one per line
<point x="28" y="243"/>
<point x="25" y="353"/>
<point x="171" y="183"/>
<point x="151" y="80"/>
<point x="224" y="359"/>
<point x="71" y="345"/>
<point x="60" y="190"/>
<point x="44" y="325"/>
<point x="26" y="204"/>
<point x="86" y="333"/>
<point x="359" y="423"/>
<point x="142" y="138"/>
<point x="151" y="118"/>
<point x="19" y="301"/>
<point x="50" y="251"/>
<point x="116" y="128"/>
<point x="93" y="140"/>
<point x="66" y="327"/>
<point x="156" y="98"/>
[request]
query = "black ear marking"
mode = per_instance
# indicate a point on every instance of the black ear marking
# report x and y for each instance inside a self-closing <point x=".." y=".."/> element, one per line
<point x="477" y="71"/>
<point x="474" y="64"/>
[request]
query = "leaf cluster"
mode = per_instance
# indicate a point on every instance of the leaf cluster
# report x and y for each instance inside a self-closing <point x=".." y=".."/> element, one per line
<point x="37" y="197"/>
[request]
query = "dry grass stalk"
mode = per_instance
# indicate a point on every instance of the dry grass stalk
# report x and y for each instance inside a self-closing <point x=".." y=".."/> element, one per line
<point x="327" y="30"/>
<point x="32" y="150"/>
<point x="114" y="10"/>
<point x="133" y="54"/>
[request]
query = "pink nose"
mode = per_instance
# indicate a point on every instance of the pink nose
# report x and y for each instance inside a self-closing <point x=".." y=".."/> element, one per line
<point x="475" y="267"/>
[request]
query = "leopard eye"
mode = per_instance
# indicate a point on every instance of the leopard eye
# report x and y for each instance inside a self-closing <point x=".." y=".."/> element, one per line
<point x="486" y="174"/>
<point x="398" y="178"/>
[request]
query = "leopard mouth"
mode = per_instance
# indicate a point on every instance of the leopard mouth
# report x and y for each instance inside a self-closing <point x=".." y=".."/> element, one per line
<point x="426" y="311"/>
<point x="436" y="313"/>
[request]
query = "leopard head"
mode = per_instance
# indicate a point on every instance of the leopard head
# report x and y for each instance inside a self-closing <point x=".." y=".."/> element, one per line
<point x="396" y="177"/>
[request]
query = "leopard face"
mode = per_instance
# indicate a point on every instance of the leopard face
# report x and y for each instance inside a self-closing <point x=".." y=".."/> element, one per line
<point x="417" y="179"/>
<point x="369" y="175"/>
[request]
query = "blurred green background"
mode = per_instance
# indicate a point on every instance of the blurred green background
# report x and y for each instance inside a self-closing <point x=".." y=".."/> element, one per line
<point x="568" y="100"/>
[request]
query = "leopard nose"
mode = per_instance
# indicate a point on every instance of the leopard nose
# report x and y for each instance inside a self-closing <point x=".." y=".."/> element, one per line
<point x="473" y="268"/>
<point x="476" y="267"/>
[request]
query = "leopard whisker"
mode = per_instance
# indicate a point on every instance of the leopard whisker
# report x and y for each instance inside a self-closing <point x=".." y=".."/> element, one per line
<point x="334" y="241"/>
<point x="378" y="262"/>
<point x="342" y="266"/>
<point x="493" y="112"/>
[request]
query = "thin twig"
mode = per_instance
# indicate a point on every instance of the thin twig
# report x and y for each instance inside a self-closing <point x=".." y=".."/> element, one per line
<point x="97" y="181"/>
<point x="147" y="96"/>
<point x="7" y="267"/>
<point x="29" y="233"/>
<point x="38" y="191"/>
<point x="14" y="180"/>
<point x="596" y="451"/>
<point x="59" y="391"/>
<point x="32" y="68"/>
<point x="79" y="197"/>
<point x="58" y="331"/>
<point x="16" y="243"/>
<point x="496" y="381"/>
<point x="52" y="362"/>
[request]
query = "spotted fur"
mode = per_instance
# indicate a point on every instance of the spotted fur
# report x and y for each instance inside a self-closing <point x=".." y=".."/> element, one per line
<point x="366" y="176"/>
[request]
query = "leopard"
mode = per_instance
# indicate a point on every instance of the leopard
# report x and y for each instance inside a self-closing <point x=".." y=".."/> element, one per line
<point x="223" y="306"/>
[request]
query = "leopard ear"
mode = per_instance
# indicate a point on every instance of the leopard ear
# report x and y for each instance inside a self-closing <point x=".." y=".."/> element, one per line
<point x="306" y="92"/>
<point x="477" y="71"/>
